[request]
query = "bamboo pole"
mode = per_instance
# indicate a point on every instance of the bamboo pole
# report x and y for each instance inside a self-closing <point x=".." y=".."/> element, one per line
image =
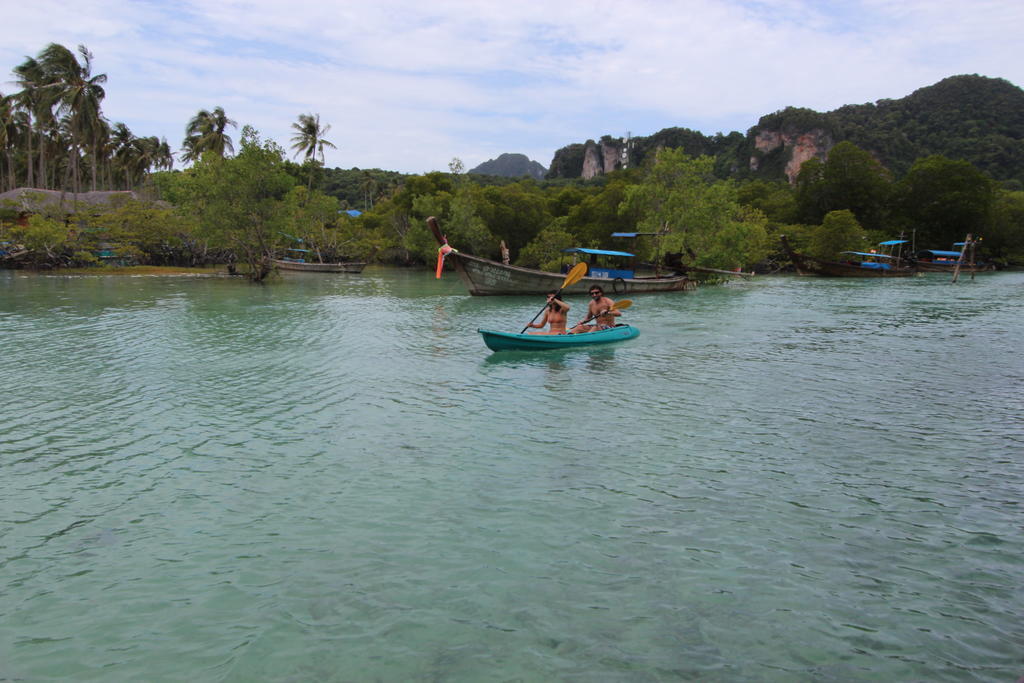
<point x="959" y="261"/>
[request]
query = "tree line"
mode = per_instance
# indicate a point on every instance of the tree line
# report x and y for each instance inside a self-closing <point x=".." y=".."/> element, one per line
<point x="247" y="208"/>
<point x="251" y="207"/>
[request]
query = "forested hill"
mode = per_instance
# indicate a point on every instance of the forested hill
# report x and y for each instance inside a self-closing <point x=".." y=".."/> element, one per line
<point x="511" y="166"/>
<point x="971" y="118"/>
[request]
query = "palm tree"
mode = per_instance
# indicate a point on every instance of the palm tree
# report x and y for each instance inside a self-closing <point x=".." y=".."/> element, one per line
<point x="205" y="133"/>
<point x="121" y="139"/>
<point x="8" y="131"/>
<point x="164" y="157"/>
<point x="309" y="138"/>
<point x="31" y="101"/>
<point x="78" y="96"/>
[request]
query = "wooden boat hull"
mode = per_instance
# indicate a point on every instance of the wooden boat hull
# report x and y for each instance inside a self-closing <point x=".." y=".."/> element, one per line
<point x="484" y="277"/>
<point x="926" y="267"/>
<point x="350" y="267"/>
<point x="509" y="341"/>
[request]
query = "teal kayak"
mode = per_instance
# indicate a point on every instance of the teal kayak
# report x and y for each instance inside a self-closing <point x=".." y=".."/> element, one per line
<point x="509" y="341"/>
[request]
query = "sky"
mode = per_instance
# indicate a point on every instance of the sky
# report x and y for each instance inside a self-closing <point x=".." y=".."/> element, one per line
<point x="409" y="85"/>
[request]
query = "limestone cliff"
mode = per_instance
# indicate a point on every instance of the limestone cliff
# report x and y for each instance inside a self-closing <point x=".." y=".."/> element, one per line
<point x="603" y="157"/>
<point x="795" y="147"/>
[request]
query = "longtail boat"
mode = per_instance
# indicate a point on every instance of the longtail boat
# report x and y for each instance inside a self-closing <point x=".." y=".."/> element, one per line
<point x="941" y="261"/>
<point x="510" y="341"/>
<point x="484" y="277"/>
<point x="859" y="263"/>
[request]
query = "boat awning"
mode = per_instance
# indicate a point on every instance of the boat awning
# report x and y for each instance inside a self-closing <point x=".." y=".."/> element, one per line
<point x="596" y="252"/>
<point x="891" y="243"/>
<point x="864" y="253"/>
<point x="625" y="234"/>
<point x="938" y="252"/>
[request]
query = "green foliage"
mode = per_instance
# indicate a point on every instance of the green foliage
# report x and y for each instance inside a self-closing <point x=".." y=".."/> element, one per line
<point x="545" y="251"/>
<point x="513" y="213"/>
<point x="465" y="226"/>
<point x="359" y="188"/>
<point x="794" y="120"/>
<point x="567" y="162"/>
<point x="1004" y="241"/>
<point x="149" y="234"/>
<point x="839" y="232"/>
<point x="943" y="200"/>
<point x="849" y="179"/>
<point x="600" y="214"/>
<point x="313" y="218"/>
<point x="42" y="234"/>
<point x="238" y="202"/>
<point x="702" y="216"/>
<point x="776" y="200"/>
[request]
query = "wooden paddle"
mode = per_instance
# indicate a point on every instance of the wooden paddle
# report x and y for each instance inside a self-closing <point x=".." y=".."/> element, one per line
<point x="617" y="306"/>
<point x="574" y="276"/>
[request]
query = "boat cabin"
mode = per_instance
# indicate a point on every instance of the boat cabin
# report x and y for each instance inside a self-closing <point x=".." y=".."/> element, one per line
<point x="864" y="259"/>
<point x="938" y="256"/>
<point x="598" y="262"/>
<point x="295" y="255"/>
<point x="877" y="259"/>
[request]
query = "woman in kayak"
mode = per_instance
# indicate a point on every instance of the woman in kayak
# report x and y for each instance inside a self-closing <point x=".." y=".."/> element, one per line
<point x="553" y="316"/>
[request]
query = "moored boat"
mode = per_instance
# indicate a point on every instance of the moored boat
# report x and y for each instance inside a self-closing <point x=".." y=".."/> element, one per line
<point x="942" y="261"/>
<point x="858" y="263"/>
<point x="313" y="267"/>
<point x="510" y="341"/>
<point x="484" y="277"/>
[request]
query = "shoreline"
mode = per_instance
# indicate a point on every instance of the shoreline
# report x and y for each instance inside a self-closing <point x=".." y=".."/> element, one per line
<point x="208" y="271"/>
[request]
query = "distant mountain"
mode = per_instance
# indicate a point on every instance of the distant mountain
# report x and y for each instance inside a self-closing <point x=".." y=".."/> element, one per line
<point x="511" y="166"/>
<point x="970" y="117"/>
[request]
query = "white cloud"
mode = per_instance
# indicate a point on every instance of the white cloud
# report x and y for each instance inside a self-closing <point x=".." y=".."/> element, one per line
<point x="409" y="85"/>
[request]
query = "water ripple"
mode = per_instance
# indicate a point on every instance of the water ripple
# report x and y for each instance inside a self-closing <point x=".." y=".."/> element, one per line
<point x="786" y="479"/>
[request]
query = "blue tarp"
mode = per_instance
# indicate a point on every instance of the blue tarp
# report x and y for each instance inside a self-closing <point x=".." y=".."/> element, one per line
<point x="596" y="252"/>
<point x="625" y="234"/>
<point x="864" y="253"/>
<point x="892" y="243"/>
<point x="937" y="252"/>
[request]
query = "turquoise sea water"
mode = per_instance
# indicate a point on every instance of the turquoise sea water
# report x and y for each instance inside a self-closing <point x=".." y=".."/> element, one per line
<point x="330" y="478"/>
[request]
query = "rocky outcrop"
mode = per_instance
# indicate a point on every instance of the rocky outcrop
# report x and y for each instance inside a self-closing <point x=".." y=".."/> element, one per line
<point x="603" y="157"/>
<point x="798" y="146"/>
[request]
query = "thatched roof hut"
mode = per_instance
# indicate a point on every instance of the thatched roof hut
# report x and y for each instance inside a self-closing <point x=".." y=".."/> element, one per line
<point x="27" y="200"/>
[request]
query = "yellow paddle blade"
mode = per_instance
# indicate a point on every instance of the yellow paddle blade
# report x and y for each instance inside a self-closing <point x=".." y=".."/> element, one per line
<point x="575" y="275"/>
<point x="622" y="305"/>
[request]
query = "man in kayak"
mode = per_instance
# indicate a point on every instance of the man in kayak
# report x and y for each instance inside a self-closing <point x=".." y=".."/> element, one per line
<point x="553" y="316"/>
<point x="600" y="311"/>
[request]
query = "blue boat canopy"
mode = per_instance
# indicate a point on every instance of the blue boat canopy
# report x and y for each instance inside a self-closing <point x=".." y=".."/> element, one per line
<point x="890" y="243"/>
<point x="938" y="252"/>
<point x="596" y="252"/>
<point x="625" y="234"/>
<point x="864" y="253"/>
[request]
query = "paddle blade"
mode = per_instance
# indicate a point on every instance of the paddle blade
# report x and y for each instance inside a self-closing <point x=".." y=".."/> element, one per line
<point x="440" y="264"/>
<point x="575" y="275"/>
<point x="622" y="305"/>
